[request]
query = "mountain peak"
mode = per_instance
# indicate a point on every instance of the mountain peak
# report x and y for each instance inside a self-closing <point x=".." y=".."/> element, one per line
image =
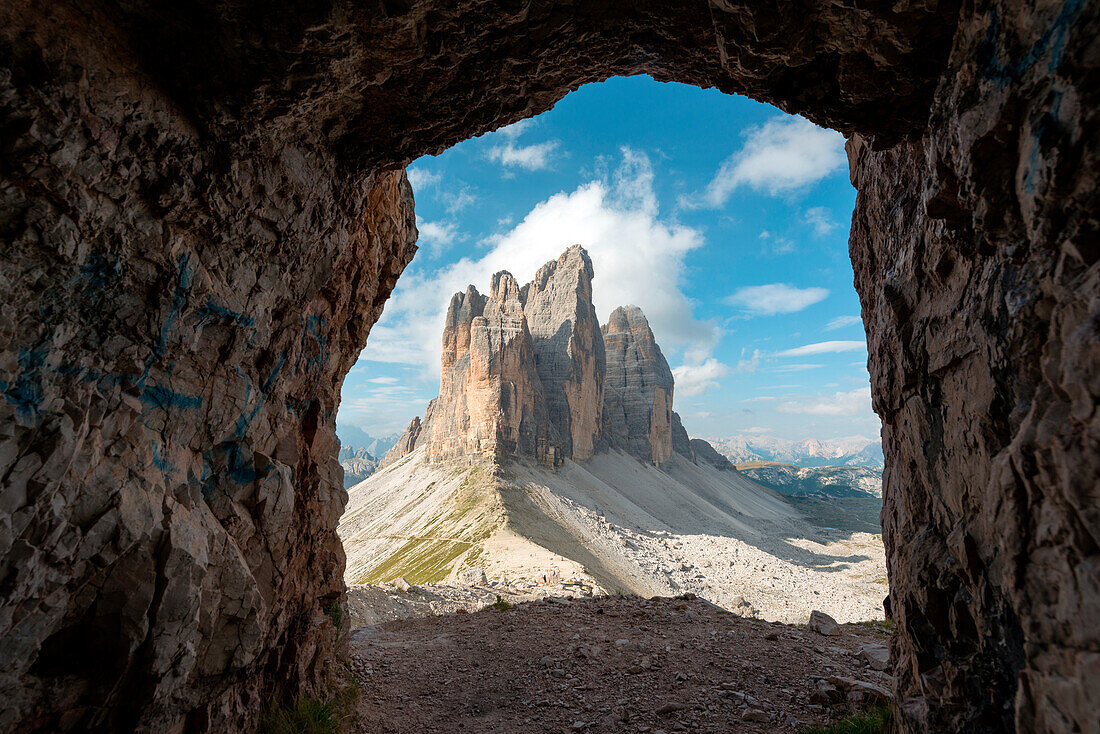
<point x="529" y="372"/>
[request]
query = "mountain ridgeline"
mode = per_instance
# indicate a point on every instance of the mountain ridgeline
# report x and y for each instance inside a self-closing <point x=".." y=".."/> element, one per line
<point x="528" y="372"/>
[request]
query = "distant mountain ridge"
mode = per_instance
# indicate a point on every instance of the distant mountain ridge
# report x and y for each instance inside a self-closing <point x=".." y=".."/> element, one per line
<point x="810" y="452"/>
<point x="819" y="481"/>
<point x="353" y="438"/>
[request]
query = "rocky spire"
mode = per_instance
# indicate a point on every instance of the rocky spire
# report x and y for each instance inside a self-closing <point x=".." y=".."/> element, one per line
<point x="569" y="349"/>
<point x="638" y="388"/>
<point x="529" y="372"/>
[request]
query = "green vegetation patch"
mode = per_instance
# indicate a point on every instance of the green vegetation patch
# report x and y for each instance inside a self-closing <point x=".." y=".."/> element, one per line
<point x="874" y="722"/>
<point x="335" y="612"/>
<point x="468" y="519"/>
<point x="304" y="716"/>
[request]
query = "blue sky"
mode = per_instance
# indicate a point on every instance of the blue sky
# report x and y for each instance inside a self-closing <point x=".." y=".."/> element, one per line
<point x="725" y="219"/>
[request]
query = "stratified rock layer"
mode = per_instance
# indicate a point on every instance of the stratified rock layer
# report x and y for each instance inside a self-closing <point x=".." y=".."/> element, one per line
<point x="569" y="351"/>
<point x="197" y="231"/>
<point x="638" y="393"/>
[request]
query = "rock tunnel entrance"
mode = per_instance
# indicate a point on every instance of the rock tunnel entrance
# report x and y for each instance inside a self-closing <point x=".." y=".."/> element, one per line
<point x="203" y="213"/>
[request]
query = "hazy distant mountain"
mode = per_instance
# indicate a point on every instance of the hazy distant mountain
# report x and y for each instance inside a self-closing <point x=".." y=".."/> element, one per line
<point x="354" y="437"/>
<point x="358" y="464"/>
<point x="821" y="481"/>
<point x="851" y="450"/>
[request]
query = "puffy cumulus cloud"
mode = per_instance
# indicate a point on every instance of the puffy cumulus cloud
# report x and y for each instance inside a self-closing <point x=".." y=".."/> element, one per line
<point x="820" y="220"/>
<point x="638" y="259"/>
<point x="841" y="321"/>
<point x="832" y="347"/>
<point x="782" y="155"/>
<point x="695" y="379"/>
<point x="775" y="298"/>
<point x="852" y="402"/>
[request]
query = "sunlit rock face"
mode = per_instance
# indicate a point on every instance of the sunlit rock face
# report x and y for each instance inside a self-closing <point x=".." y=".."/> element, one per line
<point x="638" y="394"/>
<point x="197" y="231"/>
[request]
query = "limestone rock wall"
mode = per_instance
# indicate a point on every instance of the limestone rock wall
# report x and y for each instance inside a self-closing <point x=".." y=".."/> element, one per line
<point x="976" y="256"/>
<point x="569" y="351"/>
<point x="638" y="393"/>
<point x="176" y="316"/>
<point x="491" y="402"/>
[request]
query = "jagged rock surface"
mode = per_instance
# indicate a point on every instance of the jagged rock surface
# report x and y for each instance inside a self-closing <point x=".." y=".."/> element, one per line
<point x="638" y="392"/>
<point x="703" y="451"/>
<point x="569" y="350"/>
<point x="491" y="402"/>
<point x="681" y="443"/>
<point x="172" y="180"/>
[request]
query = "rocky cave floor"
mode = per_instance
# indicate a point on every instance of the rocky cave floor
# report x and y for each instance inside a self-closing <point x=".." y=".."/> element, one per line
<point x="612" y="664"/>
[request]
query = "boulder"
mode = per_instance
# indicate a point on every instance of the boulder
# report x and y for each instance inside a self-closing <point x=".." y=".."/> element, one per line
<point x="876" y="656"/>
<point x="823" y="624"/>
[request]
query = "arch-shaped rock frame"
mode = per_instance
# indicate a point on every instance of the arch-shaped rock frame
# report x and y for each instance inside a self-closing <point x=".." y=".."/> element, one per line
<point x="202" y="213"/>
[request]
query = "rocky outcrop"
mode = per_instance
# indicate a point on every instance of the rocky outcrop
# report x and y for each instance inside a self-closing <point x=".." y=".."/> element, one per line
<point x="569" y="350"/>
<point x="553" y="392"/>
<point x="407" y="442"/>
<point x="638" y="392"/>
<point x="491" y="402"/>
<point x="200" y="220"/>
<point x="703" y="451"/>
<point x="681" y="443"/>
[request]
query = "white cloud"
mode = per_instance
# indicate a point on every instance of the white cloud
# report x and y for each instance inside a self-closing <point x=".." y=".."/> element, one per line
<point x="695" y="379"/>
<point x="516" y="129"/>
<point x="796" y="367"/>
<point x="456" y="201"/>
<point x="823" y="348"/>
<point x="749" y="362"/>
<point x="510" y="153"/>
<point x="782" y="155"/>
<point x="531" y="157"/>
<point x="765" y="300"/>
<point x="853" y="402"/>
<point x="819" y="219"/>
<point x="638" y="258"/>
<point x="841" y="321"/>
<point x="384" y="380"/>
<point x="421" y="178"/>
<point x="438" y="236"/>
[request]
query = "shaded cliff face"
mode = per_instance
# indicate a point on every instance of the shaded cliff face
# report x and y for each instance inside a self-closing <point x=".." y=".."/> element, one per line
<point x="569" y="349"/>
<point x="201" y="206"/>
<point x="638" y="393"/>
<point x="176" y="326"/>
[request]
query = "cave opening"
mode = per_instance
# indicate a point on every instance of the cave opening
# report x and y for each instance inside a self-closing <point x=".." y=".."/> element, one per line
<point x="663" y="185"/>
<point x="204" y="214"/>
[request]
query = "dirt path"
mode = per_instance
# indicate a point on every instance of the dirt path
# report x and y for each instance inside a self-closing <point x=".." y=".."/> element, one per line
<point x="608" y="664"/>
